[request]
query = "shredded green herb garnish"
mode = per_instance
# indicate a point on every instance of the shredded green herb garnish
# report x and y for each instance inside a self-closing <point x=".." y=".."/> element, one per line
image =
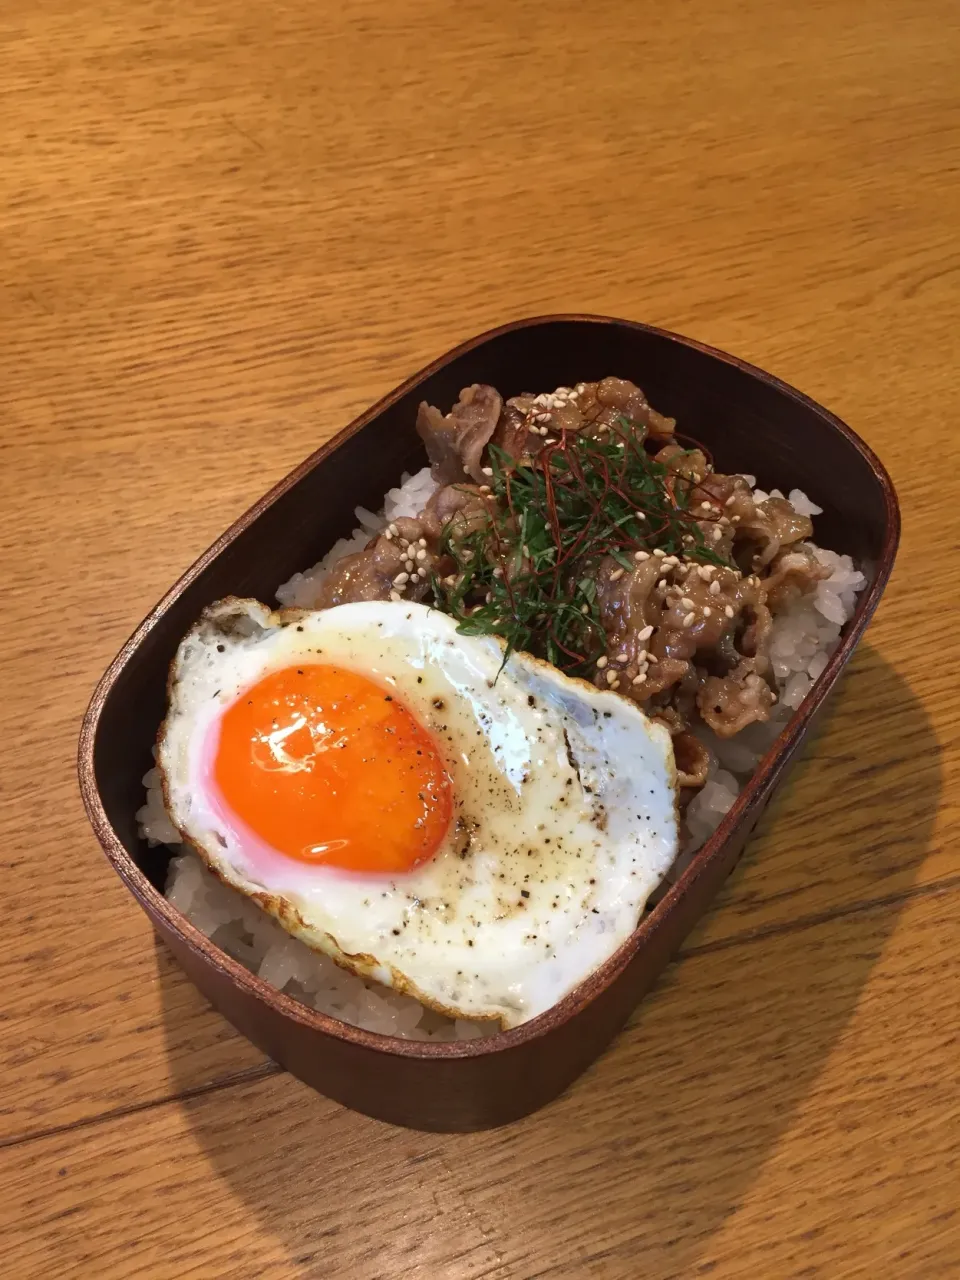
<point x="527" y="570"/>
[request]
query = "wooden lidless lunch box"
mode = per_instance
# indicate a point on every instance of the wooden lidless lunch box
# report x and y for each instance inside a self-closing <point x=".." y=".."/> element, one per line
<point x="753" y="423"/>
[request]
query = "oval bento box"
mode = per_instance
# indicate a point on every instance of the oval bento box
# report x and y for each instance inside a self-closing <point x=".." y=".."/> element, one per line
<point x="752" y="423"/>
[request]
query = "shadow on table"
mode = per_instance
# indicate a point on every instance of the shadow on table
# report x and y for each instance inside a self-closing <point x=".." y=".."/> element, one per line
<point x="647" y="1155"/>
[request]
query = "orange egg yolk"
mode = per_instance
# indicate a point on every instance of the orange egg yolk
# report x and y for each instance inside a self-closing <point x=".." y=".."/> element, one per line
<point x="331" y="768"/>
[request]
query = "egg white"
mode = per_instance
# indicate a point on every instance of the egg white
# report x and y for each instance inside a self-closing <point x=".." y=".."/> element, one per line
<point x="565" y="807"/>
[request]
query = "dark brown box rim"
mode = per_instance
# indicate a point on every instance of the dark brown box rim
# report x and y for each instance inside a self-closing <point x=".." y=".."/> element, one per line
<point x="751" y="797"/>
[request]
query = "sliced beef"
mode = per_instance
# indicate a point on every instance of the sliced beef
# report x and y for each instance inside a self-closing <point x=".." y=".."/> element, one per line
<point x="466" y="504"/>
<point x="365" y="575"/>
<point x="693" y="760"/>
<point x="455" y="441"/>
<point x="768" y="526"/>
<point x="515" y="434"/>
<point x="729" y="703"/>
<point x="794" y="572"/>
<point x="372" y="574"/>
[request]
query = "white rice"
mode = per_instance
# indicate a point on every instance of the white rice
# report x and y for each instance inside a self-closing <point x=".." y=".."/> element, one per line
<point x="802" y="640"/>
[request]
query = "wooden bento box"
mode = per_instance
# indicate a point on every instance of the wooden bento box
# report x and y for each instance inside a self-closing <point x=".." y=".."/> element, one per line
<point x="752" y="423"/>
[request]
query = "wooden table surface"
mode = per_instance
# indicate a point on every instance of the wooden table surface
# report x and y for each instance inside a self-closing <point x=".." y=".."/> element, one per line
<point x="227" y="228"/>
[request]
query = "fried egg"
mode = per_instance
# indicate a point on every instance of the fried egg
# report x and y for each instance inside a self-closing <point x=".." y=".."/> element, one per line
<point x="479" y="834"/>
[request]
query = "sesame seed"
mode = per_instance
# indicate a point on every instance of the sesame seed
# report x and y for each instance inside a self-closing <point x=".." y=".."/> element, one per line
<point x="395" y="595"/>
<point x="717" y="533"/>
<point x="550" y="440"/>
<point x="706" y="506"/>
<point x="707" y="611"/>
<point x="731" y="500"/>
<point x="422" y="542"/>
<point x="688" y="620"/>
<point x="601" y="662"/>
<point x="584" y="608"/>
<point x="714" y="588"/>
<point x="487" y="471"/>
<point x="451" y="581"/>
<point x="611" y="677"/>
<point x="734" y="519"/>
<point x="687" y="537"/>
<point x="641" y="555"/>
<point x="408" y="565"/>
<point x="498" y="572"/>
<point x="617" y="574"/>
<point x="388" y="535"/>
<point x="651" y="657"/>
<point x="640" y="678"/>
<point x="393" y="529"/>
<point x="401" y="579"/>
<point x="526" y="551"/>
<point x="421" y="554"/>
<point x="484" y="488"/>
<point x="659" y="553"/>
<point x="645" y="634"/>
<point x="728" y="610"/>
<point x="686" y="602"/>
<point x="622" y="657"/>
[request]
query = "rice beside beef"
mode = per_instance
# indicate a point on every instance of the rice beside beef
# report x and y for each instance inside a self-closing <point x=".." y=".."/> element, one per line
<point x="803" y="637"/>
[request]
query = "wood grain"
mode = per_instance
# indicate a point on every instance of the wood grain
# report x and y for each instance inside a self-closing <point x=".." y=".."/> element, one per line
<point x="226" y="229"/>
<point x="723" y="1137"/>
